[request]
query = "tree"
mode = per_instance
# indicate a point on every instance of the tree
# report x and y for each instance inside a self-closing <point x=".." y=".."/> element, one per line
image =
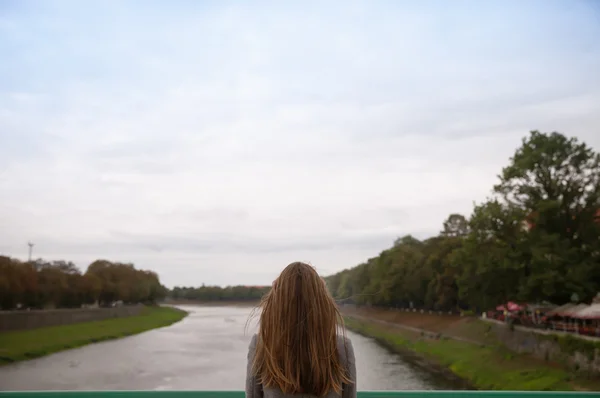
<point x="536" y="238"/>
<point x="214" y="293"/>
<point x="407" y="240"/>
<point x="490" y="258"/>
<point x="456" y="225"/>
<point x="43" y="284"/>
<point x="442" y="288"/>
<point x="555" y="182"/>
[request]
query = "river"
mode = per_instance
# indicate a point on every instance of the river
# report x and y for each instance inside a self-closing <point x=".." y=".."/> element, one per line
<point x="205" y="351"/>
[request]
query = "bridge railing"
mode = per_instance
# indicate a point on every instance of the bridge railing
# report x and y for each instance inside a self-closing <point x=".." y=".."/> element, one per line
<point x="240" y="394"/>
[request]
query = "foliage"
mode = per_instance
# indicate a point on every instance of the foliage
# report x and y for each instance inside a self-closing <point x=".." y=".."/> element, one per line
<point x="536" y="238"/>
<point x="456" y="225"/>
<point x="217" y="293"/>
<point x="59" y="284"/>
<point x="28" y="344"/>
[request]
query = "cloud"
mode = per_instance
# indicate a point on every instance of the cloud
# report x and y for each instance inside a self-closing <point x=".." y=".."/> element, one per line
<point x="217" y="142"/>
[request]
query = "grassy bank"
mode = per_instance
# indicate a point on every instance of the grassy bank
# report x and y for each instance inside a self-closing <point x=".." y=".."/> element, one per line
<point x="27" y="344"/>
<point x="485" y="367"/>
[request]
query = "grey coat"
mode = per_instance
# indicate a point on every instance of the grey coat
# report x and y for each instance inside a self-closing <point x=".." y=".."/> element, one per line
<point x="255" y="390"/>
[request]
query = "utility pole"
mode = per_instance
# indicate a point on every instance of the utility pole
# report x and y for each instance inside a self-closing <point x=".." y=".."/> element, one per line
<point x="30" y="250"/>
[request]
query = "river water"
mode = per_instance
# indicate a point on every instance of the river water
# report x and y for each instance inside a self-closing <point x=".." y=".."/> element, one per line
<point x="205" y="351"/>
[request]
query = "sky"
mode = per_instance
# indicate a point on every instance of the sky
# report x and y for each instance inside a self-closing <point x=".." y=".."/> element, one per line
<point x="218" y="141"/>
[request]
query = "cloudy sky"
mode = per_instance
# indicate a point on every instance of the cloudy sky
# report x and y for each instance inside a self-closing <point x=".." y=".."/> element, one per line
<point x="215" y="142"/>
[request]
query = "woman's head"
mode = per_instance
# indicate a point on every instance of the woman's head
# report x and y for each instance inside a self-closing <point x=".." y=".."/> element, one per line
<point x="297" y="344"/>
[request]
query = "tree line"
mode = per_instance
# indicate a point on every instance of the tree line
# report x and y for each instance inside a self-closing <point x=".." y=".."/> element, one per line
<point x="217" y="293"/>
<point x="60" y="284"/>
<point x="536" y="238"/>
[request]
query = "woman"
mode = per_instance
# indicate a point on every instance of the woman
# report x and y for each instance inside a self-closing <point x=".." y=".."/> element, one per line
<point x="301" y="347"/>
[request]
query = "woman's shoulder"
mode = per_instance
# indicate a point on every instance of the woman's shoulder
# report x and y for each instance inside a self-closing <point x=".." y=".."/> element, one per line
<point x="252" y="346"/>
<point x="345" y="349"/>
<point x="253" y="341"/>
<point x="343" y="339"/>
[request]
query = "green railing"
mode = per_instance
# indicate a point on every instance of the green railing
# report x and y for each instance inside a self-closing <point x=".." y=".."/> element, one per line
<point x="240" y="394"/>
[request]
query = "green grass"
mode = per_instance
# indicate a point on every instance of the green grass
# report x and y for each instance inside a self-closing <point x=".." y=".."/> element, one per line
<point x="486" y="368"/>
<point x="27" y="344"/>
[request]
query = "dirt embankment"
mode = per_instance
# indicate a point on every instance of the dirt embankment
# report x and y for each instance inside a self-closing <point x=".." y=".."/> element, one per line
<point x="432" y="322"/>
<point x="466" y="329"/>
<point x="24" y="320"/>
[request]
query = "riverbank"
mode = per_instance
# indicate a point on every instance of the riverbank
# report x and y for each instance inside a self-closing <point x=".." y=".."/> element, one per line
<point x="224" y="303"/>
<point x="28" y="344"/>
<point x="485" y="367"/>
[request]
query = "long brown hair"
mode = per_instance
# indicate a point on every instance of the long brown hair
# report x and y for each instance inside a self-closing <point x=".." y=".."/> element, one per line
<point x="297" y="347"/>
